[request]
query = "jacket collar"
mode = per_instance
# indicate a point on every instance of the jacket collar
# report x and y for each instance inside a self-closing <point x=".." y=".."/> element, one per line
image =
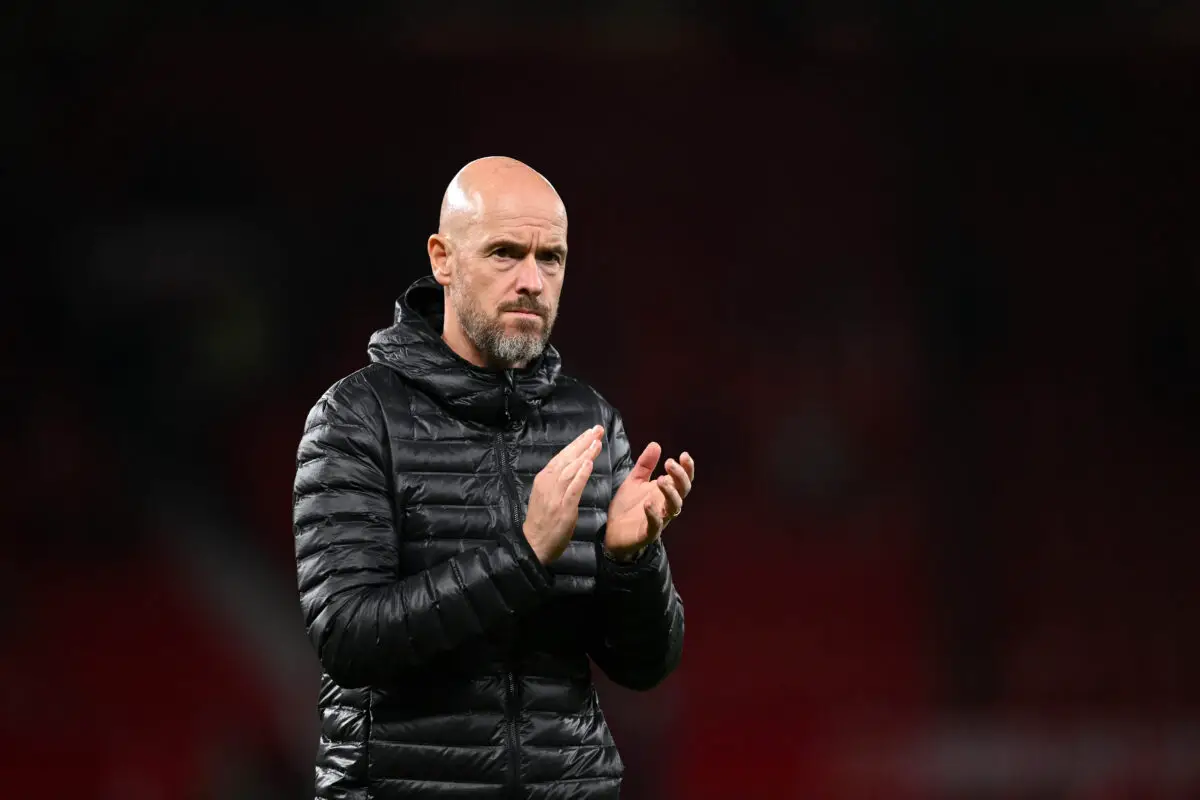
<point x="413" y="346"/>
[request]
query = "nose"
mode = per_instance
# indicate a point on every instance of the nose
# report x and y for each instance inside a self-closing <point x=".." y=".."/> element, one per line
<point x="529" y="276"/>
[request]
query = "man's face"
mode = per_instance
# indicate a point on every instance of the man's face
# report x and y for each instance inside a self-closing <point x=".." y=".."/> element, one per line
<point x="507" y="279"/>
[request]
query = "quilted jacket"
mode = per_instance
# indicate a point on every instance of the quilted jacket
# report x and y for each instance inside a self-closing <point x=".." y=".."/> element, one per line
<point x="455" y="664"/>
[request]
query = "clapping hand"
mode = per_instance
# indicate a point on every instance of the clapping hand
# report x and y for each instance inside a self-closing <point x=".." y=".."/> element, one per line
<point x="643" y="507"/>
<point x="554" y="500"/>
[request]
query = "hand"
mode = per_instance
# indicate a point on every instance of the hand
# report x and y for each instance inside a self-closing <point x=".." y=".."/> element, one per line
<point x="554" y="500"/>
<point x="642" y="508"/>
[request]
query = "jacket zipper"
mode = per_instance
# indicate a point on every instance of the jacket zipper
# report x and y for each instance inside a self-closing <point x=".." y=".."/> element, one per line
<point x="514" y="745"/>
<point x="510" y="485"/>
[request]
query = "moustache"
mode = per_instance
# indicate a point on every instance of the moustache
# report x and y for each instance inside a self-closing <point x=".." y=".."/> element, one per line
<point x="532" y="308"/>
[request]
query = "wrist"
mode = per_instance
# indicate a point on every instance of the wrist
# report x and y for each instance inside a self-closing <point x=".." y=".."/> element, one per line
<point x="624" y="555"/>
<point x="544" y="557"/>
<point x="537" y="546"/>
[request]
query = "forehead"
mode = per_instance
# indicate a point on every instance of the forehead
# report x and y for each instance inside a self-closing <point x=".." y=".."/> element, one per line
<point x="521" y="214"/>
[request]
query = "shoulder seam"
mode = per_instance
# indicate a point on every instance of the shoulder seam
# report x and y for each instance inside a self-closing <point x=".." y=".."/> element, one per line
<point x="357" y="377"/>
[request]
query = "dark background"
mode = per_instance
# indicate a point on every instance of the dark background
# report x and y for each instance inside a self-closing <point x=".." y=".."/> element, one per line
<point x="918" y="286"/>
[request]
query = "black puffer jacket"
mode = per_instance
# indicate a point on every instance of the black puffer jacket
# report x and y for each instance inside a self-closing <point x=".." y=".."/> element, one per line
<point x="456" y="664"/>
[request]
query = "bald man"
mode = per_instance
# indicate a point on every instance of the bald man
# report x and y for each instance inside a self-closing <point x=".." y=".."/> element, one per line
<point x="471" y="528"/>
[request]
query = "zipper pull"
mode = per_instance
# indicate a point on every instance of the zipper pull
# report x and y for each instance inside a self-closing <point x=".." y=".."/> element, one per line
<point x="508" y="390"/>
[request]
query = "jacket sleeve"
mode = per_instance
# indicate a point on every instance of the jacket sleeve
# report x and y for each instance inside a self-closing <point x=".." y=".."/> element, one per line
<point x="639" y="639"/>
<point x="367" y="621"/>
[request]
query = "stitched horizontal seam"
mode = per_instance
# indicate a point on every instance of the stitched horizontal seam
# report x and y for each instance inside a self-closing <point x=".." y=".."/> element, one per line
<point x="454" y="506"/>
<point x="427" y="473"/>
<point x="477" y="442"/>
<point x="481" y="506"/>
<point x="442" y="782"/>
<point x="339" y="423"/>
<point x="328" y="489"/>
<point x="313" y="519"/>
<point x="596" y="779"/>
<point x="382" y="713"/>
<point x="417" y="544"/>
<point x="383" y="720"/>
<point x="474" y="747"/>
<point x="469" y="541"/>
<point x="556" y="410"/>
<point x="313" y="522"/>
<point x="338" y="544"/>
<point x="436" y="781"/>
<point x="357" y="742"/>
<point x="330" y="450"/>
<point x="402" y="470"/>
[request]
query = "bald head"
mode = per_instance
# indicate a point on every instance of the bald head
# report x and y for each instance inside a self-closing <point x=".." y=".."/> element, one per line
<point x="501" y="254"/>
<point x="497" y="186"/>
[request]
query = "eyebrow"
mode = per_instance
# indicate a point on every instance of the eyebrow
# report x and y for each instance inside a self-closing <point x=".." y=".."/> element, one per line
<point x="505" y="241"/>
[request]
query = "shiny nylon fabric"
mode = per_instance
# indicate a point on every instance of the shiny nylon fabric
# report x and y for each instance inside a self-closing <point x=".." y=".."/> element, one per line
<point x="455" y="664"/>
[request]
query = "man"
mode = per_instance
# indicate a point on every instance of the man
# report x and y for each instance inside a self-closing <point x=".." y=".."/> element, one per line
<point x="470" y="527"/>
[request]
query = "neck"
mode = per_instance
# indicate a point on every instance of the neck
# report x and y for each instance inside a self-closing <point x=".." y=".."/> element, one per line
<point x="458" y="341"/>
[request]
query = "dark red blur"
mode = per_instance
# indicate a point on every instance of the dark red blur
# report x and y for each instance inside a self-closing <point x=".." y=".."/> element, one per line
<point x="923" y="302"/>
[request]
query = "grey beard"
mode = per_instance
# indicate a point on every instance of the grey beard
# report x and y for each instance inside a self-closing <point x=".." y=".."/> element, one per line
<point x="489" y="336"/>
<point x="504" y="348"/>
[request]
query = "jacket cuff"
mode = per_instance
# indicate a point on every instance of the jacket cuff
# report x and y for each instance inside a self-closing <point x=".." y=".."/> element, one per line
<point x="647" y="561"/>
<point x="539" y="574"/>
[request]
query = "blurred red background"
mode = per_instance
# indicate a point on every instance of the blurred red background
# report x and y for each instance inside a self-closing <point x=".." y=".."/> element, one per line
<point x="918" y="293"/>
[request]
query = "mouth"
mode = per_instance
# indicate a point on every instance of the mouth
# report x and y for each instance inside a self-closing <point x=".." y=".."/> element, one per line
<point x="526" y="314"/>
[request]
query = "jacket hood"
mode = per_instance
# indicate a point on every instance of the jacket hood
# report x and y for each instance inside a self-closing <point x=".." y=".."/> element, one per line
<point x="413" y="346"/>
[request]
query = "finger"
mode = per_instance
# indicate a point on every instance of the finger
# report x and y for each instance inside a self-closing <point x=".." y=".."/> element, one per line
<point x="646" y="462"/>
<point x="683" y="481"/>
<point x="572" y="451"/>
<point x="674" y="499"/>
<point x="689" y="464"/>
<point x="657" y="498"/>
<point x="654" y="521"/>
<point x="578" y="481"/>
<point x="568" y="471"/>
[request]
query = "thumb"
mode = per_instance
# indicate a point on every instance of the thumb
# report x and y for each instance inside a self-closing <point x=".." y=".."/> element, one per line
<point x="646" y="463"/>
